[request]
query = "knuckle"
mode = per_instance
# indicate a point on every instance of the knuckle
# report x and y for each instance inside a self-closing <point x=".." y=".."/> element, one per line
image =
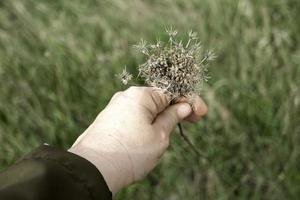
<point x="164" y="137"/>
<point x="116" y="95"/>
<point x="132" y="89"/>
<point x="156" y="102"/>
<point x="205" y="110"/>
<point x="138" y="93"/>
<point x="165" y="141"/>
<point x="137" y="90"/>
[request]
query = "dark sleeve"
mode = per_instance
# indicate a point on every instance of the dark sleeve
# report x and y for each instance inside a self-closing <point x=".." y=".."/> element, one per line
<point x="50" y="173"/>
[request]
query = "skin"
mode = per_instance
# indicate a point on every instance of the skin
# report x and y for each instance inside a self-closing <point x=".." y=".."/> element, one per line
<point x="128" y="137"/>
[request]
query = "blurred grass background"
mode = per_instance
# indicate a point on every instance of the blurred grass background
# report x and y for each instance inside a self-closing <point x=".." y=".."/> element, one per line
<point x="58" y="61"/>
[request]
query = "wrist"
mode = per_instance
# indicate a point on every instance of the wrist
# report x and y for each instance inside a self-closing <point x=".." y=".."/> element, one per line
<point x="114" y="173"/>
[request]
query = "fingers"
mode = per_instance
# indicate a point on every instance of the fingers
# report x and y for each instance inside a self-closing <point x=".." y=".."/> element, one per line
<point x="199" y="110"/>
<point x="151" y="98"/>
<point x="154" y="101"/>
<point x="167" y="120"/>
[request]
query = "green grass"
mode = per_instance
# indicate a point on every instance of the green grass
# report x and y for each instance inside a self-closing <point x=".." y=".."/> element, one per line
<point x="57" y="65"/>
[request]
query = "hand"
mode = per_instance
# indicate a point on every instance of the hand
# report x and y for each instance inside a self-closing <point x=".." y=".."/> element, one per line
<point x="129" y="136"/>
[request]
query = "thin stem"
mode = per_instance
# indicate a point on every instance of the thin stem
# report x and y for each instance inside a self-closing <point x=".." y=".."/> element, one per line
<point x="188" y="141"/>
<point x="188" y="43"/>
<point x="185" y="138"/>
<point x="203" y="60"/>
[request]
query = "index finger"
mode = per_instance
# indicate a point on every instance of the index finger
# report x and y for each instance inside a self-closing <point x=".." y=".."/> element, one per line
<point x="152" y="99"/>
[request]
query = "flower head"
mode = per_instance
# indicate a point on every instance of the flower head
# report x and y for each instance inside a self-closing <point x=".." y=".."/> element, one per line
<point x="177" y="68"/>
<point x="171" y="32"/>
<point x="125" y="77"/>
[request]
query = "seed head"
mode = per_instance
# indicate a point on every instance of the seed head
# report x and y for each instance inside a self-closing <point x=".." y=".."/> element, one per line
<point x="125" y="77"/>
<point x="171" y="32"/>
<point x="177" y="68"/>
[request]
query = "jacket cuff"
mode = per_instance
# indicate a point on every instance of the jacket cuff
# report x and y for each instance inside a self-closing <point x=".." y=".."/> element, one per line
<point x="81" y="170"/>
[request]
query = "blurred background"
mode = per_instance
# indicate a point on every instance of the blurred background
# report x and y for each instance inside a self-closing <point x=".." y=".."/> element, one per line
<point x="58" y="61"/>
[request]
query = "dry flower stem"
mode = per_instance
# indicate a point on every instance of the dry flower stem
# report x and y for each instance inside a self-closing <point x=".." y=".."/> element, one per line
<point x="187" y="140"/>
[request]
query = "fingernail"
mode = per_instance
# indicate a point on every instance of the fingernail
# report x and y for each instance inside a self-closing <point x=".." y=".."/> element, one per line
<point x="184" y="110"/>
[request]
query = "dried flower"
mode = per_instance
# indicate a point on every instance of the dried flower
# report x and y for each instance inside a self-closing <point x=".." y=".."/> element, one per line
<point x="142" y="47"/>
<point x="178" y="69"/>
<point x="192" y="35"/>
<point x="171" y="32"/>
<point x="125" y="77"/>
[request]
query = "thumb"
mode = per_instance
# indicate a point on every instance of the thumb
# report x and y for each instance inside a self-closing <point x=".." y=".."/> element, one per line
<point x="167" y="120"/>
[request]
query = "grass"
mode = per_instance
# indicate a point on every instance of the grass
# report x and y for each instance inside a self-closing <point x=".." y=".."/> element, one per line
<point x="57" y="65"/>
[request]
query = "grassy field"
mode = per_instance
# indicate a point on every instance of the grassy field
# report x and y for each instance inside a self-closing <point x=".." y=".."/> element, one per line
<point x="58" y="61"/>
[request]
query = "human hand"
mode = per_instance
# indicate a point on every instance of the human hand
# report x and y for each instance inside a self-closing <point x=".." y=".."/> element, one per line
<point x="129" y="136"/>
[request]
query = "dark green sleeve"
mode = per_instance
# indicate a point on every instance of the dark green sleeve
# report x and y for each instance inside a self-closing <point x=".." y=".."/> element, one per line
<point x="50" y="173"/>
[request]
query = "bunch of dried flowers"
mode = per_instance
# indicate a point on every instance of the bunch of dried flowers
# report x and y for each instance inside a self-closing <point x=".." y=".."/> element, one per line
<point x="178" y="69"/>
